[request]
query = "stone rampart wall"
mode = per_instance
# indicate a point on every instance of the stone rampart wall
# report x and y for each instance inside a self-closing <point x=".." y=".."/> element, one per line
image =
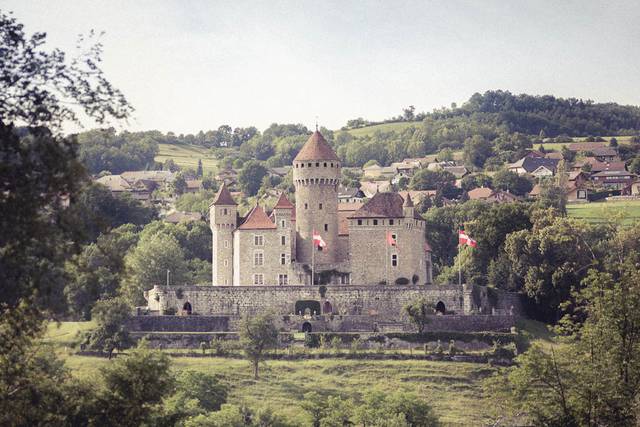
<point x="386" y="302"/>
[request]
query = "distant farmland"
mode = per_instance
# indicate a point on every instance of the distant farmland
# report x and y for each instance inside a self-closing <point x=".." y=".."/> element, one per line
<point x="626" y="211"/>
<point x="186" y="156"/>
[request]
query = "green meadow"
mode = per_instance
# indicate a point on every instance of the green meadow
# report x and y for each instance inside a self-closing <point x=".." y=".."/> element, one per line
<point x="624" y="211"/>
<point x="455" y="390"/>
<point x="186" y="156"/>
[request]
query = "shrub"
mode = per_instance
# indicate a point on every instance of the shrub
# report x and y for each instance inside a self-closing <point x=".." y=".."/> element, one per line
<point x="335" y="343"/>
<point x="452" y="348"/>
<point x="311" y="341"/>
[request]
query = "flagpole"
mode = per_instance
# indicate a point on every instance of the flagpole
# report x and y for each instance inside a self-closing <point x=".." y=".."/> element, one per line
<point x="459" y="261"/>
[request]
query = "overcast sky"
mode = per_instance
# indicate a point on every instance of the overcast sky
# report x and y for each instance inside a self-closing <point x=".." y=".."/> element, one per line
<point x="192" y="65"/>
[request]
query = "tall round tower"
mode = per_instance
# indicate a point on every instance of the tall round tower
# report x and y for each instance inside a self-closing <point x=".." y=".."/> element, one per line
<point x="316" y="175"/>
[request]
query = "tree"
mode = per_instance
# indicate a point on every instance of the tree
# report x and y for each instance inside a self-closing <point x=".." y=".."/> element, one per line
<point x="476" y="151"/>
<point x="147" y="265"/>
<point x="110" y="316"/>
<point x="553" y="257"/>
<point x="195" y="393"/>
<point x="257" y="335"/>
<point x="613" y="142"/>
<point x="425" y="179"/>
<point x="199" y="171"/>
<point x="568" y="155"/>
<point x="409" y="113"/>
<point x="250" y="177"/>
<point x="37" y="89"/>
<point x="594" y="377"/>
<point x="419" y="312"/>
<point x="135" y="386"/>
<point x="470" y="182"/>
<point x="97" y="271"/>
<point x="634" y="166"/>
<point x="170" y="165"/>
<point x="179" y="184"/>
<point x="507" y="180"/>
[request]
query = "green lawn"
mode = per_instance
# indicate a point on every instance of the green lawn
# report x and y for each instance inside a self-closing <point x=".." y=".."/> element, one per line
<point x="558" y="146"/>
<point x="186" y="156"/>
<point x="626" y="211"/>
<point x="453" y="389"/>
<point x="384" y="127"/>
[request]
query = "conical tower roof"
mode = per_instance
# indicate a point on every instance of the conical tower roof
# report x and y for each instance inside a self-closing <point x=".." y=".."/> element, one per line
<point x="408" y="203"/>
<point x="223" y="197"/>
<point x="283" y="203"/>
<point x="316" y="148"/>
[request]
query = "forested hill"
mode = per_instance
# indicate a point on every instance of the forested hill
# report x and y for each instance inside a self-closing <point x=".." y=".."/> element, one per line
<point x="503" y="123"/>
<point x="555" y="116"/>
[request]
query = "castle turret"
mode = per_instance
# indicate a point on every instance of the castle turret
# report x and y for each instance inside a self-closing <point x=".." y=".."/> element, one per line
<point x="316" y="175"/>
<point x="407" y="207"/>
<point x="223" y="214"/>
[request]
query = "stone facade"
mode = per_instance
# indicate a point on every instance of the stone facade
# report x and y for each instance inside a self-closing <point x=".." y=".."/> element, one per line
<point x="383" y="242"/>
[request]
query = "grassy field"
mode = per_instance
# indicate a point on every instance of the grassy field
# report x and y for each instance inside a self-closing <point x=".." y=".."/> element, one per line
<point x="455" y="390"/>
<point x="626" y="211"/>
<point x="384" y="127"/>
<point x="186" y="156"/>
<point x="558" y="146"/>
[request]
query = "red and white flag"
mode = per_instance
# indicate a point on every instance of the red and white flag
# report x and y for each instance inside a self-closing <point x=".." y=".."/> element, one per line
<point x="317" y="240"/>
<point x="391" y="240"/>
<point x="464" y="239"/>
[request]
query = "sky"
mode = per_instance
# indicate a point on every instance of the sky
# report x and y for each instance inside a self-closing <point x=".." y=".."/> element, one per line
<point x="187" y="66"/>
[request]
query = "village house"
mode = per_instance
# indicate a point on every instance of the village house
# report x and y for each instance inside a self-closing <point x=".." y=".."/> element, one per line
<point x="492" y="196"/>
<point x="600" y="151"/>
<point x="536" y="166"/>
<point x="613" y="180"/>
<point x="350" y="195"/>
<point x="193" y="186"/>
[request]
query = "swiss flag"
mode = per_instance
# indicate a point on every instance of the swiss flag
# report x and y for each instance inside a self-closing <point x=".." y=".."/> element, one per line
<point x="464" y="239"/>
<point x="317" y="240"/>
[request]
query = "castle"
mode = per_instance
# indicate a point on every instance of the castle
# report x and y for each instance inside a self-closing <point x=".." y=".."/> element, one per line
<point x="382" y="242"/>
<point x="319" y="267"/>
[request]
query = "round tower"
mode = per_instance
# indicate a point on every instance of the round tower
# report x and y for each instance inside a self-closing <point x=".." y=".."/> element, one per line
<point x="316" y="175"/>
<point x="223" y="221"/>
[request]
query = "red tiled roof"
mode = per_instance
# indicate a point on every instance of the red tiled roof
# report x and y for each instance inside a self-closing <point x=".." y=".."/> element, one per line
<point x="283" y="203"/>
<point x="316" y="148"/>
<point x="381" y="205"/>
<point x="257" y="220"/>
<point x="223" y="197"/>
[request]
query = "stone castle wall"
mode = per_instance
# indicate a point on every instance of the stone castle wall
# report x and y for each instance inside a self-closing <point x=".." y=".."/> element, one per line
<point x="384" y="301"/>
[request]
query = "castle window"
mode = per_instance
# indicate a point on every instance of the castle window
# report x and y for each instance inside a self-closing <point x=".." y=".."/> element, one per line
<point x="394" y="260"/>
<point x="226" y="243"/>
<point x="344" y="279"/>
<point x="320" y="206"/>
<point x="306" y="206"/>
<point x="375" y="222"/>
<point x="394" y="237"/>
<point x="390" y="222"/>
<point x="283" y="259"/>
<point x="317" y="164"/>
<point x="308" y="164"/>
<point x="224" y="211"/>
<point x="258" y="279"/>
<point x="283" y="223"/>
<point x="331" y="164"/>
<point x="325" y="164"/>
<point x="359" y="222"/>
<point x="258" y="240"/>
<point x="326" y="227"/>
<point x="226" y="262"/>
<point x="258" y="258"/>
<point x="301" y="165"/>
<point x="283" y="279"/>
<point x="283" y="240"/>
